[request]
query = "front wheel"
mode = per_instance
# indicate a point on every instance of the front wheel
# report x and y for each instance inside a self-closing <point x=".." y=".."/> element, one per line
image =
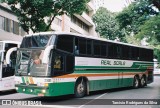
<point x="136" y="82"/>
<point x="80" y="88"/>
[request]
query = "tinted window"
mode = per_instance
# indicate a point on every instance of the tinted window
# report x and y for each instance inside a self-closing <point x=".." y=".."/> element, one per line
<point x="146" y="54"/>
<point x="82" y="46"/>
<point x="97" y="48"/>
<point x="135" y="53"/>
<point x="65" y="43"/>
<point x="89" y="47"/>
<point x="103" y="49"/>
<point x="125" y="52"/>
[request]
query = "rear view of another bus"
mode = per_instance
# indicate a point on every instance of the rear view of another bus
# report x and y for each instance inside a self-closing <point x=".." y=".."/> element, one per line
<point x="156" y="69"/>
<point x="7" y="64"/>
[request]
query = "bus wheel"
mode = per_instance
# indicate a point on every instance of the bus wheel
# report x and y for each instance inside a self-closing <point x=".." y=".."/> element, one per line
<point x="143" y="81"/>
<point x="80" y="88"/>
<point x="136" y="82"/>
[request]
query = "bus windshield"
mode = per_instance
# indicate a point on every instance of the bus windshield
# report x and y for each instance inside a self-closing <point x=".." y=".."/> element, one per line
<point x="29" y="62"/>
<point x="30" y="55"/>
<point x="35" y="41"/>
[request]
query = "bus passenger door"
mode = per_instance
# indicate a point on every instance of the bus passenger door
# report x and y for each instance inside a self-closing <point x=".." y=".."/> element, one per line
<point x="62" y="64"/>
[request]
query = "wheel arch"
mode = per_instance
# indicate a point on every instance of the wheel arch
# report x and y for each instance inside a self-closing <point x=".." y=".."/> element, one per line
<point x="86" y="81"/>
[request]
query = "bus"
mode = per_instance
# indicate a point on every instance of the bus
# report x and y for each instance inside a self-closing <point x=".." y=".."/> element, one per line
<point x="7" y="70"/>
<point x="58" y="63"/>
<point x="156" y="69"/>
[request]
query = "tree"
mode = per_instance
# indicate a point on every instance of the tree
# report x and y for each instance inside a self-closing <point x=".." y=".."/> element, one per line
<point x="151" y="30"/>
<point x="135" y="15"/>
<point x="106" y="24"/>
<point x="32" y="14"/>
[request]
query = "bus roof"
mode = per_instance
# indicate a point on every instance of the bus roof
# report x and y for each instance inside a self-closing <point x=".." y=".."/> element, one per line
<point x="8" y="41"/>
<point x="85" y="36"/>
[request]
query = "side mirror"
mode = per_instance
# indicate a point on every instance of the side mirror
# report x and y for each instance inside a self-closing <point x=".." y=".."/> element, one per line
<point x="8" y="54"/>
<point x="47" y="51"/>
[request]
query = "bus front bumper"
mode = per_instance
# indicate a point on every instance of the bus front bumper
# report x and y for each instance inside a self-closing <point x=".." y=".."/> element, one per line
<point x="30" y="89"/>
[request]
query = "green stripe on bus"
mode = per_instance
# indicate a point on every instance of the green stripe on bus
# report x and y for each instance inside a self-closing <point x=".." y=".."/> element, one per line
<point x="23" y="80"/>
<point x="26" y="79"/>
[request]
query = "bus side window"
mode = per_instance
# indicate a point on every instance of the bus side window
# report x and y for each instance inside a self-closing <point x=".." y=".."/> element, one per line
<point x="135" y="53"/>
<point x="104" y="50"/>
<point x="76" y="46"/>
<point x="82" y="46"/>
<point x="89" y="47"/>
<point x="125" y="52"/>
<point x="97" y="48"/>
<point x="65" y="43"/>
<point x="62" y="64"/>
<point x="58" y="62"/>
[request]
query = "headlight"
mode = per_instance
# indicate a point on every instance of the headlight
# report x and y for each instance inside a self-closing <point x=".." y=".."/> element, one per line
<point x="16" y="88"/>
<point x="44" y="91"/>
<point x="24" y="90"/>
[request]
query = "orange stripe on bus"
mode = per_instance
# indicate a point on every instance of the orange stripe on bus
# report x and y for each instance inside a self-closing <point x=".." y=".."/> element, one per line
<point x="94" y="75"/>
<point x="31" y="80"/>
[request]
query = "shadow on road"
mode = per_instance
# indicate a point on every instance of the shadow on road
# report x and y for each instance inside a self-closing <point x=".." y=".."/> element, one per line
<point x="3" y="93"/>
<point x="71" y="100"/>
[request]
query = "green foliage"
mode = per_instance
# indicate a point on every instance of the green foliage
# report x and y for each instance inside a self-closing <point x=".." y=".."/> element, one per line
<point x="32" y="14"/>
<point x="151" y="30"/>
<point x="142" y="20"/>
<point x="157" y="53"/>
<point x="106" y="24"/>
<point x="133" y="40"/>
<point x="135" y="15"/>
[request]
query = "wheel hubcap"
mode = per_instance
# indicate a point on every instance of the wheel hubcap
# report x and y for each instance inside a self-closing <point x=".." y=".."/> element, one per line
<point x="142" y="81"/>
<point x="80" y="88"/>
<point x="136" y="82"/>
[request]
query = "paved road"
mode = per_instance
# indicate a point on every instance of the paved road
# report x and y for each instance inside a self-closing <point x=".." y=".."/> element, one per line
<point x="99" y="99"/>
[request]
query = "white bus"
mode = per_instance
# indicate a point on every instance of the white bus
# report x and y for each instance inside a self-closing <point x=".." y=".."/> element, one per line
<point x="7" y="48"/>
<point x="156" y="69"/>
<point x="55" y="64"/>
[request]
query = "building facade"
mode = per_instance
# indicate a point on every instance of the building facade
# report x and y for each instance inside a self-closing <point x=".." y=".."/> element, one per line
<point x="81" y="24"/>
<point x="9" y="26"/>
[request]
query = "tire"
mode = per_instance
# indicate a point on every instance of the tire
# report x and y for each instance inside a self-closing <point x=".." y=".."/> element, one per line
<point x="80" y="88"/>
<point x="136" y="82"/>
<point x="143" y="82"/>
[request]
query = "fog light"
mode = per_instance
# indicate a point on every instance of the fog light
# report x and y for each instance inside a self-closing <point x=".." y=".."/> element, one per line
<point x="43" y="91"/>
<point x="31" y="90"/>
<point x="16" y="88"/>
<point x="24" y="90"/>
